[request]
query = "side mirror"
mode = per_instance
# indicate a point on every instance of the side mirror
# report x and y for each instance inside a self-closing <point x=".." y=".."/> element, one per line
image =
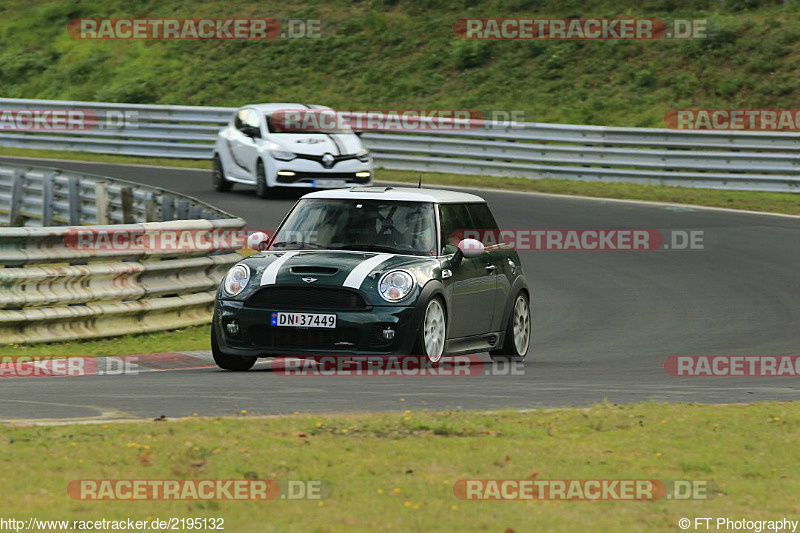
<point x="251" y="131"/>
<point x="258" y="241"/>
<point x="468" y="248"/>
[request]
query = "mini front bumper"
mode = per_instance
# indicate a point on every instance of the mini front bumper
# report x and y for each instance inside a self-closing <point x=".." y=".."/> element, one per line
<point x="356" y="332"/>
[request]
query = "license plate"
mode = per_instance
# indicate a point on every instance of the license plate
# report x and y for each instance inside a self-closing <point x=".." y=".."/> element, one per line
<point x="329" y="183"/>
<point x="303" y="320"/>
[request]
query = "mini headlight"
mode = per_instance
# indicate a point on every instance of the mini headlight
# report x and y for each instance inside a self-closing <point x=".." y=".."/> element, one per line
<point x="395" y="285"/>
<point x="363" y="155"/>
<point x="279" y="152"/>
<point x="237" y="279"/>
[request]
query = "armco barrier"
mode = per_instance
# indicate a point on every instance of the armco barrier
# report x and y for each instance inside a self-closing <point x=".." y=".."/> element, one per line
<point x="51" y="290"/>
<point x="760" y="161"/>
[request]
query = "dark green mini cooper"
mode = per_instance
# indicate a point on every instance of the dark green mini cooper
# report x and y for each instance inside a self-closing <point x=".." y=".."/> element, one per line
<point x="375" y="271"/>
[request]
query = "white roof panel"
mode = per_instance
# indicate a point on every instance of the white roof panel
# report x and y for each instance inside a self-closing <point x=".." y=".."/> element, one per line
<point x="398" y="194"/>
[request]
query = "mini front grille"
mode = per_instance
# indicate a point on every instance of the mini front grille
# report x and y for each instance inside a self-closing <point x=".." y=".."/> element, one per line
<point x="304" y="338"/>
<point x="311" y="298"/>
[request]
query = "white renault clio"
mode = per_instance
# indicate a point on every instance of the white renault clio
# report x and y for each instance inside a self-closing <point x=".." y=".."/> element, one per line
<point x="254" y="149"/>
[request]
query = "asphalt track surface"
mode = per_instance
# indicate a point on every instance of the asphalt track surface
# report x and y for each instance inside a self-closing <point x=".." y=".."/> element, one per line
<point x="604" y="322"/>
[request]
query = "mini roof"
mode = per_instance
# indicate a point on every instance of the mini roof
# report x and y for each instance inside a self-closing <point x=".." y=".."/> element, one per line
<point x="398" y="194"/>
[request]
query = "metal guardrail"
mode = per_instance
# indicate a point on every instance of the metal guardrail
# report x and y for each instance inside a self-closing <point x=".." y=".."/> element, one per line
<point x="51" y="289"/>
<point x="762" y="161"/>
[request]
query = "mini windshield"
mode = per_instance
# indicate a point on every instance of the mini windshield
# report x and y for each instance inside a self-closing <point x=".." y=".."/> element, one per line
<point x="364" y="225"/>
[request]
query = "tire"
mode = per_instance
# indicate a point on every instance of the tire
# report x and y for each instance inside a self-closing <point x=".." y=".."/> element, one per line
<point x="517" y="340"/>
<point x="229" y="362"/>
<point x="432" y="335"/>
<point x="262" y="189"/>
<point x="218" y="180"/>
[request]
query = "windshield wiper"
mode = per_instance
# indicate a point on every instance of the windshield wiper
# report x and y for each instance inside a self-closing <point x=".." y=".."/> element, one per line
<point x="302" y="244"/>
<point x="369" y="248"/>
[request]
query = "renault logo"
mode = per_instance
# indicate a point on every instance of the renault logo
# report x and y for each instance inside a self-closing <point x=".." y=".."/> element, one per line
<point x="309" y="280"/>
<point x="327" y="160"/>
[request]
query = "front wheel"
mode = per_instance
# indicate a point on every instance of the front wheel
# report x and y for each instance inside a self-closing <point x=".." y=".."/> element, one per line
<point x="229" y="362"/>
<point x="433" y="332"/>
<point x="518" y="333"/>
<point x="262" y="188"/>
<point x="218" y="180"/>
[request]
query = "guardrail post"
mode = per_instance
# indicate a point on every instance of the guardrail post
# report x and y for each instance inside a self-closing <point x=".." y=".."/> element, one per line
<point x="17" y="186"/>
<point x="151" y="208"/>
<point x="101" y="202"/>
<point x="183" y="210"/>
<point x="75" y="201"/>
<point x="126" y="198"/>
<point x="167" y="208"/>
<point x="48" y="183"/>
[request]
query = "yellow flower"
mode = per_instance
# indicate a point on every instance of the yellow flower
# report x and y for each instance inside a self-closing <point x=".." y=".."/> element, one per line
<point x="658" y="454"/>
<point x="319" y="424"/>
<point x="380" y="491"/>
<point x="396" y="490"/>
<point x="408" y="411"/>
<point x="407" y="503"/>
<point x="196" y="448"/>
<point x="345" y="430"/>
<point x="322" y="504"/>
<point x="406" y="418"/>
<point x="716" y="425"/>
<point x="218" y="450"/>
<point x="146" y="446"/>
<point x="775" y="418"/>
<point x="80" y="461"/>
<point x="73" y="444"/>
<point x="243" y="411"/>
<point x="242" y="450"/>
<point x="416" y="506"/>
<point x="454" y="507"/>
<point x="134" y="445"/>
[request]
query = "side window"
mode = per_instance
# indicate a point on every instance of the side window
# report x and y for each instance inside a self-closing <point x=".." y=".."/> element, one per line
<point x="454" y="220"/>
<point x="248" y="121"/>
<point x="483" y="221"/>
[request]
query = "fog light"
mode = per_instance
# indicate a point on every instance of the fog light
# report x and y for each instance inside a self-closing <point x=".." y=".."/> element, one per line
<point x="285" y="173"/>
<point x="387" y="334"/>
<point x="362" y="174"/>
<point x="232" y="327"/>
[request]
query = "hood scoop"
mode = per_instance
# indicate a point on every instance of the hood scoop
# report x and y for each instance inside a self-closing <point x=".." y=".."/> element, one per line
<point x="313" y="270"/>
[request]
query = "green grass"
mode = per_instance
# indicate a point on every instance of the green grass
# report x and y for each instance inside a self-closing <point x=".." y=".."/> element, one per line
<point x="752" y="201"/>
<point x="395" y="472"/>
<point x="404" y="54"/>
<point x="187" y="339"/>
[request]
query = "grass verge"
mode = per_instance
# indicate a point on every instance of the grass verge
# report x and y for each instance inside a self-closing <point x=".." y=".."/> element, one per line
<point x="743" y="200"/>
<point x="187" y="339"/>
<point x="396" y="471"/>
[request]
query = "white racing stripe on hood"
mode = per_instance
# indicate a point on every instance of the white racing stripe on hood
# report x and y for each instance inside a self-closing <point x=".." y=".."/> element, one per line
<point x="357" y="275"/>
<point x="271" y="272"/>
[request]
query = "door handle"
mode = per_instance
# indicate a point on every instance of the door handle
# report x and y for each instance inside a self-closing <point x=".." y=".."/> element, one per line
<point x="490" y="268"/>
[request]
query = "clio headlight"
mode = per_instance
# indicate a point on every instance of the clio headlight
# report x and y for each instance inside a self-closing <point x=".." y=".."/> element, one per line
<point x="363" y="155"/>
<point x="395" y="285"/>
<point x="279" y="152"/>
<point x="237" y="279"/>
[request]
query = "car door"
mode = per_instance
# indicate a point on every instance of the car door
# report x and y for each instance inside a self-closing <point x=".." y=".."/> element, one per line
<point x="495" y="258"/>
<point x="472" y="285"/>
<point x="243" y="143"/>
